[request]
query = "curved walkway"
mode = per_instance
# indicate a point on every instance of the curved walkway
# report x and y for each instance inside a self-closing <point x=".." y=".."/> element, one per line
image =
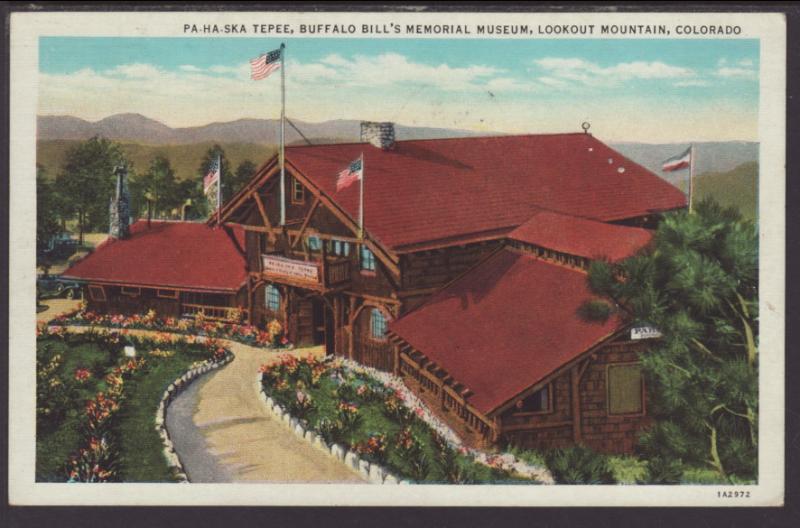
<point x="223" y="432"/>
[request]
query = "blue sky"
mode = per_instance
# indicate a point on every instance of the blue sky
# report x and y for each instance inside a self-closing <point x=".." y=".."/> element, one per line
<point x="636" y="90"/>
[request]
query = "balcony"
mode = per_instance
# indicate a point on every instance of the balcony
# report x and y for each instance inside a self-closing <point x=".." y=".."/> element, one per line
<point x="324" y="274"/>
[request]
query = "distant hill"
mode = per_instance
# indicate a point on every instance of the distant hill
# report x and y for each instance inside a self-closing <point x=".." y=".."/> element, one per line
<point x="136" y="128"/>
<point x="709" y="156"/>
<point x="737" y="187"/>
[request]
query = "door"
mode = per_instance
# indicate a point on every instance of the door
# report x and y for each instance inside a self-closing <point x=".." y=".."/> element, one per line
<point x="322" y="319"/>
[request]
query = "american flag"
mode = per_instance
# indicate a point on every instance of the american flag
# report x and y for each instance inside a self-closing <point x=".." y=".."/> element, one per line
<point x="265" y="64"/>
<point x="212" y="177"/>
<point x="352" y="173"/>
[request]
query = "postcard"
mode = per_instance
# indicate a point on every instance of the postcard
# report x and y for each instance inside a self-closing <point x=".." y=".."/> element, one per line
<point x="397" y="258"/>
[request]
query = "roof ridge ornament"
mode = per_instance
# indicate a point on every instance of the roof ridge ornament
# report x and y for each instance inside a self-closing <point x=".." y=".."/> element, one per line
<point x="586" y="126"/>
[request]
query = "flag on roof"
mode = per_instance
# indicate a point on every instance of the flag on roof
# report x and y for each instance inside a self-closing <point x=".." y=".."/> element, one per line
<point x="263" y="65"/>
<point x="212" y="176"/>
<point x="353" y="173"/>
<point x="679" y="162"/>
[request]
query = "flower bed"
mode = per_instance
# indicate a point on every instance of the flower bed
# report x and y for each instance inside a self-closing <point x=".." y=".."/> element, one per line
<point x="273" y="336"/>
<point x="377" y="418"/>
<point x="95" y="405"/>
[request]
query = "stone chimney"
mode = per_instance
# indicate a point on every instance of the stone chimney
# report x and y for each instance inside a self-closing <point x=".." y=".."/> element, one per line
<point x="379" y="134"/>
<point x="120" y="207"/>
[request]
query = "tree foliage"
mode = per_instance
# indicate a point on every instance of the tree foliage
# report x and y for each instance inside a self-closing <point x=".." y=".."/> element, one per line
<point x="47" y="224"/>
<point x="160" y="185"/>
<point x="698" y="285"/>
<point x="86" y="182"/>
<point x="205" y="165"/>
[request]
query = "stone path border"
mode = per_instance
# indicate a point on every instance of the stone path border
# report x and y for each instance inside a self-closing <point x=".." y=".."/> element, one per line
<point x="373" y="473"/>
<point x="174" y="389"/>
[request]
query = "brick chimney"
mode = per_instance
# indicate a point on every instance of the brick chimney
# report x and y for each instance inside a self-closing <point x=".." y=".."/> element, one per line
<point x="120" y="208"/>
<point x="379" y="134"/>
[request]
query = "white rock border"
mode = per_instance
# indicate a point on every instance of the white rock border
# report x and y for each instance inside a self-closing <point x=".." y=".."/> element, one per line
<point x="175" y="388"/>
<point x="372" y="473"/>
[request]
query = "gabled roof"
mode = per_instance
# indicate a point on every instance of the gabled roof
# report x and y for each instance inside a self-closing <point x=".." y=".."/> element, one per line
<point x="505" y="326"/>
<point x="581" y="237"/>
<point x="427" y="190"/>
<point x="186" y="255"/>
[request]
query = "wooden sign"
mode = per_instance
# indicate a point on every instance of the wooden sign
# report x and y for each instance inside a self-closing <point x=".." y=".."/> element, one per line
<point x="644" y="332"/>
<point x="291" y="268"/>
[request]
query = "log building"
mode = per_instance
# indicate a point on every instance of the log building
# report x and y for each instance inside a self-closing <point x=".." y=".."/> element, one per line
<point x="465" y="278"/>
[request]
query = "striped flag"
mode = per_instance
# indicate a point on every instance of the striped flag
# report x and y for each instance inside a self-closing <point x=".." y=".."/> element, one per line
<point x="679" y="162"/>
<point x="353" y="173"/>
<point x="263" y="65"/>
<point x="212" y="177"/>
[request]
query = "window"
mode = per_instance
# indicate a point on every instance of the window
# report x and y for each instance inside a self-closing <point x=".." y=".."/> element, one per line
<point x="377" y="325"/>
<point x="97" y="293"/>
<point x="625" y="386"/>
<point x="339" y="248"/>
<point x="314" y="243"/>
<point x="538" y="402"/>
<point x="298" y="191"/>
<point x="130" y="291"/>
<point x="273" y="298"/>
<point x="167" y="294"/>
<point x="367" y="259"/>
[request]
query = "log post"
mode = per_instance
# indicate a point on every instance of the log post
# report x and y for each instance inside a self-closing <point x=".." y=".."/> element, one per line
<point x="351" y="336"/>
<point x="575" y="376"/>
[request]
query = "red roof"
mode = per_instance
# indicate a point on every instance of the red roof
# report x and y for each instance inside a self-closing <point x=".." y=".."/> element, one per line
<point x="425" y="190"/>
<point x="505" y="326"/>
<point x="168" y="254"/>
<point x="581" y="237"/>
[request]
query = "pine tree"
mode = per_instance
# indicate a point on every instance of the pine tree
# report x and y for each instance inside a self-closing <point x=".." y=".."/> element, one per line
<point x="698" y="285"/>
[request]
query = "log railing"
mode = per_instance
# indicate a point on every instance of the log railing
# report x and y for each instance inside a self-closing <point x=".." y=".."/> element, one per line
<point x="226" y="314"/>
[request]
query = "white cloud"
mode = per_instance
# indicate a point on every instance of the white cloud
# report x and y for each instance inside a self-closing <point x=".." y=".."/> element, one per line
<point x="558" y="70"/>
<point x="735" y="72"/>
<point x="190" y="68"/>
<point x="691" y="82"/>
<point x="135" y="71"/>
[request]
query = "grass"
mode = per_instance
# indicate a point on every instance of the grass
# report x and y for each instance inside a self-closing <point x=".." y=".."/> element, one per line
<point x="141" y="458"/>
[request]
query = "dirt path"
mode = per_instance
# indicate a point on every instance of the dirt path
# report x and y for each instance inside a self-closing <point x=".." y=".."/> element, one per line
<point x="249" y="443"/>
<point x="223" y="432"/>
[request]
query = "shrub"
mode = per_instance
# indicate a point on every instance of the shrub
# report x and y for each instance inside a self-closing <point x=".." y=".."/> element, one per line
<point x="628" y="470"/>
<point x="578" y="465"/>
<point x="693" y="475"/>
<point x="410" y="450"/>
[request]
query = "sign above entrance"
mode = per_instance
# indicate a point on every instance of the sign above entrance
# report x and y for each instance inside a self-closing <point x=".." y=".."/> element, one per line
<point x="291" y="268"/>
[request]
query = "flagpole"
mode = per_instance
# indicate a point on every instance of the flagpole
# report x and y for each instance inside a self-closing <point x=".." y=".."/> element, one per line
<point x="283" y="135"/>
<point x="361" y="201"/>
<point x="691" y="176"/>
<point x="219" y="188"/>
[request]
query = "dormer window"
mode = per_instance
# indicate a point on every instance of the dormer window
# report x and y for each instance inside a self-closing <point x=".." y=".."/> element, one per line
<point x="367" y="259"/>
<point x="298" y="192"/>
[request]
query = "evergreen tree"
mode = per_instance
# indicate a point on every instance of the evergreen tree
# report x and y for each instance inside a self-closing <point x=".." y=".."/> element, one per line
<point x="698" y="286"/>
<point x="244" y="173"/>
<point x="86" y="181"/>
<point x="160" y="184"/>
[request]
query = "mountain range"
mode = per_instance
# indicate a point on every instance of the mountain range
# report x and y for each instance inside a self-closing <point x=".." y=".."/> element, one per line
<point x="136" y="128"/>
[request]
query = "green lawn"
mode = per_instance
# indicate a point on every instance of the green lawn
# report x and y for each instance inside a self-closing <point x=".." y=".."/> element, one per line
<point x="434" y="462"/>
<point x="141" y="458"/>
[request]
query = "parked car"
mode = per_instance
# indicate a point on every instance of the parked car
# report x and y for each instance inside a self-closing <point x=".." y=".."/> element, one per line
<point x="60" y="246"/>
<point x="55" y="286"/>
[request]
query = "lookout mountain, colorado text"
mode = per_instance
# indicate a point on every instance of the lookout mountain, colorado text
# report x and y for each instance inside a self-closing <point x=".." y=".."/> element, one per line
<point x="461" y="29"/>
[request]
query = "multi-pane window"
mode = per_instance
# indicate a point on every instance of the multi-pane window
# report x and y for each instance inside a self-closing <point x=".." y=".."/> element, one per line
<point x="377" y="324"/>
<point x="273" y="298"/>
<point x="298" y="191"/>
<point x="367" y="259"/>
<point x="625" y="389"/>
